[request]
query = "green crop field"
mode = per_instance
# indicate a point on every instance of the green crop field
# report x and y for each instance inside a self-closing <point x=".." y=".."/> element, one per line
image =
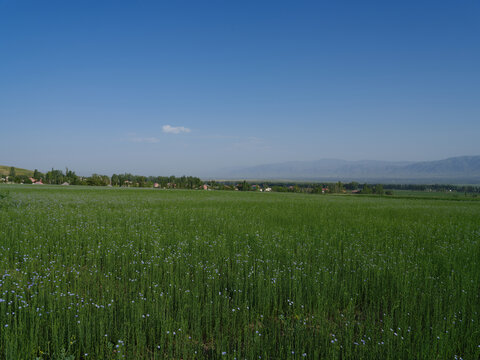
<point x="105" y="273"/>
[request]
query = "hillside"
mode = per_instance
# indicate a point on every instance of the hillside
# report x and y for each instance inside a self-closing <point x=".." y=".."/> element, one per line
<point x="5" y="170"/>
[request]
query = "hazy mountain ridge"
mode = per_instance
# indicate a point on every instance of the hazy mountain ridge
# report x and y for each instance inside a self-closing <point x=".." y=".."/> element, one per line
<point x="455" y="170"/>
<point x="463" y="169"/>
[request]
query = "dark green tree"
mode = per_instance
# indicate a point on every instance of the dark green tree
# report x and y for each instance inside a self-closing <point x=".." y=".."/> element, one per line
<point x="352" y="185"/>
<point x="115" y="180"/>
<point x="366" y="189"/>
<point x="37" y="175"/>
<point x="337" y="187"/>
<point x="379" y="189"/>
<point x="98" y="180"/>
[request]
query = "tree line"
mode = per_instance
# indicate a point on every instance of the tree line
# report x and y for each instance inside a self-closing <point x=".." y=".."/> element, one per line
<point x="58" y="177"/>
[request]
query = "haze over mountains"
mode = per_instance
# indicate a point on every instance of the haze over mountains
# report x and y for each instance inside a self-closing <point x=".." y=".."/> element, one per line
<point x="458" y="170"/>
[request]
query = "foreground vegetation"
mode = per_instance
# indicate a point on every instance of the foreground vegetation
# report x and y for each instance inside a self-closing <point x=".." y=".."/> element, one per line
<point x="107" y="273"/>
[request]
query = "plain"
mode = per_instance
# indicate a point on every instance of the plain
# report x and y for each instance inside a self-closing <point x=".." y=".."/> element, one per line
<point x="107" y="273"/>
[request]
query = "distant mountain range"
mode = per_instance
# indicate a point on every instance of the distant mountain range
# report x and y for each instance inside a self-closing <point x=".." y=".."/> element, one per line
<point x="456" y="170"/>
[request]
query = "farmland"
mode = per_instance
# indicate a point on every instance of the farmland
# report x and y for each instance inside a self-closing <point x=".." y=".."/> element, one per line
<point x="111" y="273"/>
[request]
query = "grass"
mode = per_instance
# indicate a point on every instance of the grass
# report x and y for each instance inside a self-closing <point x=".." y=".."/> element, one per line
<point x="436" y="195"/>
<point x="153" y="274"/>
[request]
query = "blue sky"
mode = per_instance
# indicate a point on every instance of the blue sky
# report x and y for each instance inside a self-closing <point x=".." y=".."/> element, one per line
<point x="194" y="87"/>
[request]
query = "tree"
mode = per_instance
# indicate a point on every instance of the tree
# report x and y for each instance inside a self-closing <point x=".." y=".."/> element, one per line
<point x="141" y="181"/>
<point x="115" y="180"/>
<point x="12" y="172"/>
<point x="379" y="189"/>
<point x="352" y="185"/>
<point x="71" y="177"/>
<point x="366" y="189"/>
<point x="337" y="187"/>
<point x="98" y="180"/>
<point x="37" y="175"/>
<point x="54" y="177"/>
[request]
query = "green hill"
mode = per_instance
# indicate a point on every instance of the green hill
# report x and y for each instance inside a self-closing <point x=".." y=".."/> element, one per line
<point x="5" y="170"/>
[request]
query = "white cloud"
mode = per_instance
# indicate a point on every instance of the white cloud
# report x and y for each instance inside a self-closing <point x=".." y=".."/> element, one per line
<point x="175" y="129"/>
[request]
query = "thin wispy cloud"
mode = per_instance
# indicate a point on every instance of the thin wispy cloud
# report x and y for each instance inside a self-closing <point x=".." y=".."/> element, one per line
<point x="251" y="143"/>
<point x="168" y="129"/>
<point x="147" y="140"/>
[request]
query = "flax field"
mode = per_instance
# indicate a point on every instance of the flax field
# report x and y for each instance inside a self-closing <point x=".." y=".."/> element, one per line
<point x="114" y="273"/>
